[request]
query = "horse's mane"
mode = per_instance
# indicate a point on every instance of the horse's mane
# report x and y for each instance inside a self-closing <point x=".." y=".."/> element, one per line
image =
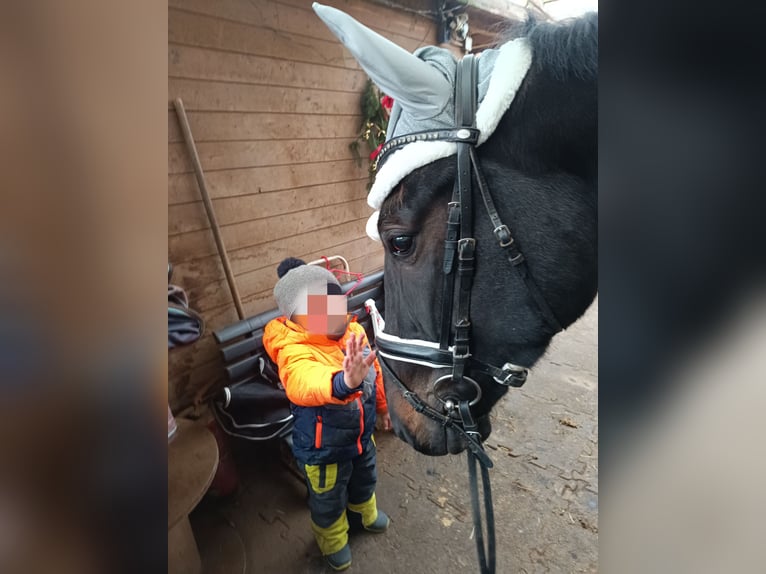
<point x="566" y="48"/>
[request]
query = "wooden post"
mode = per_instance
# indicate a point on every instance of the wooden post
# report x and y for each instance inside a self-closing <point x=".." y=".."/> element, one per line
<point x="184" y="122"/>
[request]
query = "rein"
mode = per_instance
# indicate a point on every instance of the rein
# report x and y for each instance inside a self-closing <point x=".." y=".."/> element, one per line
<point x="458" y="271"/>
<point x="466" y="426"/>
<point x="459" y="419"/>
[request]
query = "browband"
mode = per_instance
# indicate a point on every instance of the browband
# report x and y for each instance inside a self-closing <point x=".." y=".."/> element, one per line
<point x="463" y="135"/>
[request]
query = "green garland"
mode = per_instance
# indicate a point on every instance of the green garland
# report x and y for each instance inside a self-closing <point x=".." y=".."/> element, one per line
<point x="372" y="129"/>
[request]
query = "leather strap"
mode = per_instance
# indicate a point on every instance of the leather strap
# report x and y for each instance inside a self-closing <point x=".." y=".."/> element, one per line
<point x="465" y="111"/>
<point x="509" y="375"/>
<point x="459" y="134"/>
<point x="448" y="284"/>
<point x="447" y="421"/>
<point x="509" y="245"/>
<point x="486" y="555"/>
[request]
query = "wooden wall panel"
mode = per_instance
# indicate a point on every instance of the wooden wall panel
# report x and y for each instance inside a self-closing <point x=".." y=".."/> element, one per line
<point x="191" y="216"/>
<point x="273" y="102"/>
<point x="298" y="18"/>
<point x="190" y="29"/>
<point x="244" y="234"/>
<point x="232" y="97"/>
<point x="233" y="126"/>
<point x="242" y="154"/>
<point x="182" y="188"/>
<point x="206" y="64"/>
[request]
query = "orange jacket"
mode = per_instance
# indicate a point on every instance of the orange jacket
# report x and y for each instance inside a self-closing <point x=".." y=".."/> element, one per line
<point x="307" y="363"/>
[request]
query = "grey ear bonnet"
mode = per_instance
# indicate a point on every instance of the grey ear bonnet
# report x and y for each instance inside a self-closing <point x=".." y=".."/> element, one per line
<point x="422" y="85"/>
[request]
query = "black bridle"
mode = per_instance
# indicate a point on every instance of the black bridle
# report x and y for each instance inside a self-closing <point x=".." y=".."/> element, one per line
<point x="458" y="270"/>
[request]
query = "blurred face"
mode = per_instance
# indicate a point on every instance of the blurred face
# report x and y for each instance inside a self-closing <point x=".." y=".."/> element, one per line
<point x="325" y="311"/>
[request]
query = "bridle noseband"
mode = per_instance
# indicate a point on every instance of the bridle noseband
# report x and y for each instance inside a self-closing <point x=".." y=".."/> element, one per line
<point x="454" y="347"/>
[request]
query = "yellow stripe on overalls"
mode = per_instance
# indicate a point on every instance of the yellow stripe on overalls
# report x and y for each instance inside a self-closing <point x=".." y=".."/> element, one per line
<point x="332" y="538"/>
<point x="322" y="478"/>
<point x="368" y="510"/>
<point x="320" y="483"/>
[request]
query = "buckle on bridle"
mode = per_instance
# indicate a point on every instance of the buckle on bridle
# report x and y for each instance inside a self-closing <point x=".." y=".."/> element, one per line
<point x="503" y="235"/>
<point x="466" y="248"/>
<point x="516" y="376"/>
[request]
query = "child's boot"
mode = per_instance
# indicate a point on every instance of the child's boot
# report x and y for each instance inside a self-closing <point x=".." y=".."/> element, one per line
<point x="368" y="515"/>
<point x="341" y="559"/>
<point x="380" y="524"/>
<point x="333" y="542"/>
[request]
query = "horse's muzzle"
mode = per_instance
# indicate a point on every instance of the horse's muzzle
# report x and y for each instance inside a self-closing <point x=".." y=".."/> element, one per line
<point x="431" y="438"/>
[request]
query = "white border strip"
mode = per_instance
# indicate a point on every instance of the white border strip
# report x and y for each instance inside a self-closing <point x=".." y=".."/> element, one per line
<point x="378" y="324"/>
<point x="412" y="361"/>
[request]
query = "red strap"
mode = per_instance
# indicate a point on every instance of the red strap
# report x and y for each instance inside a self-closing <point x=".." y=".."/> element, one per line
<point x="337" y="272"/>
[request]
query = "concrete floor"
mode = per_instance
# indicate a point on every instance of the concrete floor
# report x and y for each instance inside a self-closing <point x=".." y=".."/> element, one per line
<point x="544" y="445"/>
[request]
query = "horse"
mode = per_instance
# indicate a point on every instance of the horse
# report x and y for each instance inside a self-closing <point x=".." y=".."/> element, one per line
<point x="528" y="268"/>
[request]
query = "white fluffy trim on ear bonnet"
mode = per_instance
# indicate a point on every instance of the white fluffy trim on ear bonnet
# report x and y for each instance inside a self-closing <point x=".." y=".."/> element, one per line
<point x="422" y="85"/>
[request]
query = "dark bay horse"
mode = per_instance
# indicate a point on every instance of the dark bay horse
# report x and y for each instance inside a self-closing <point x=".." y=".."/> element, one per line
<point x="538" y="156"/>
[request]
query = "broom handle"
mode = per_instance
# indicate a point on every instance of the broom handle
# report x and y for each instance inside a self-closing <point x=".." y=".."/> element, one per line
<point x="184" y="122"/>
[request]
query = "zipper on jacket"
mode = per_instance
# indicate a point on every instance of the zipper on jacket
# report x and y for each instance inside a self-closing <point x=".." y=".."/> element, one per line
<point x="318" y="433"/>
<point x="361" y="425"/>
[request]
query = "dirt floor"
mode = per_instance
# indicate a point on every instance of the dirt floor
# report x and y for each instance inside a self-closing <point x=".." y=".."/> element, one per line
<point x="544" y="445"/>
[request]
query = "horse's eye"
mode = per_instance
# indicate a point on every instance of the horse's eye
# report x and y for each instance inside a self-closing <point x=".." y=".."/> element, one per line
<point x="401" y="244"/>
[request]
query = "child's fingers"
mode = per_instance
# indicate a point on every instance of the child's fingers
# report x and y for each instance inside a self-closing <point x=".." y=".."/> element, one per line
<point x="359" y="344"/>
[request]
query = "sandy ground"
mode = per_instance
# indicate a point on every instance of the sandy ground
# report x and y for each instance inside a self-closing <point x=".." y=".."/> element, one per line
<point x="544" y="445"/>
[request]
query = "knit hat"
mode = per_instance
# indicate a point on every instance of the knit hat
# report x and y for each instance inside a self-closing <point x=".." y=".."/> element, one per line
<point x="297" y="280"/>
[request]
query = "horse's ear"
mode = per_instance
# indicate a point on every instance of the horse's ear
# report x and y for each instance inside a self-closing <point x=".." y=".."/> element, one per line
<point x="418" y="87"/>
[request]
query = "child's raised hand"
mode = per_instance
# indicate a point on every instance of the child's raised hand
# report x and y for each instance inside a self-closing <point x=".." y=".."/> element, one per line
<point x="355" y="364"/>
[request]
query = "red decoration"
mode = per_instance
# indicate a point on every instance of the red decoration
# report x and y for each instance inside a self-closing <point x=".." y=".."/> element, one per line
<point x="339" y="272"/>
<point x="374" y="153"/>
<point x="387" y="102"/>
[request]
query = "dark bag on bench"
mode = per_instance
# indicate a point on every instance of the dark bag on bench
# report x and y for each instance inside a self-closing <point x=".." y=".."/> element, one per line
<point x="254" y="409"/>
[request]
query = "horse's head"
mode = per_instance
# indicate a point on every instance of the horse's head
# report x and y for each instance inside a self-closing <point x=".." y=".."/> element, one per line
<point x="537" y="151"/>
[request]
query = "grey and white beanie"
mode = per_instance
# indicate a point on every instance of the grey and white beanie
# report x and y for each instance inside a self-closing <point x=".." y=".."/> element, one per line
<point x="296" y="281"/>
<point x="422" y="85"/>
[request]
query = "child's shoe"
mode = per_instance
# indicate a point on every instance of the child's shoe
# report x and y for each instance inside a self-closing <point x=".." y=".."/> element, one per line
<point x="381" y="523"/>
<point x="341" y="559"/>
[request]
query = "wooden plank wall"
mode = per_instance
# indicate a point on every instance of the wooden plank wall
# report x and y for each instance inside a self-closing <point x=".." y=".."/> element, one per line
<point x="273" y="103"/>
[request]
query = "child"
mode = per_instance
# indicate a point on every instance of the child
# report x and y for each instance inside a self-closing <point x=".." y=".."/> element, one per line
<point x="335" y="387"/>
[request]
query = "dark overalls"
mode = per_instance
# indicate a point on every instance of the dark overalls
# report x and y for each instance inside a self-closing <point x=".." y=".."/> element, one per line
<point x="334" y="446"/>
